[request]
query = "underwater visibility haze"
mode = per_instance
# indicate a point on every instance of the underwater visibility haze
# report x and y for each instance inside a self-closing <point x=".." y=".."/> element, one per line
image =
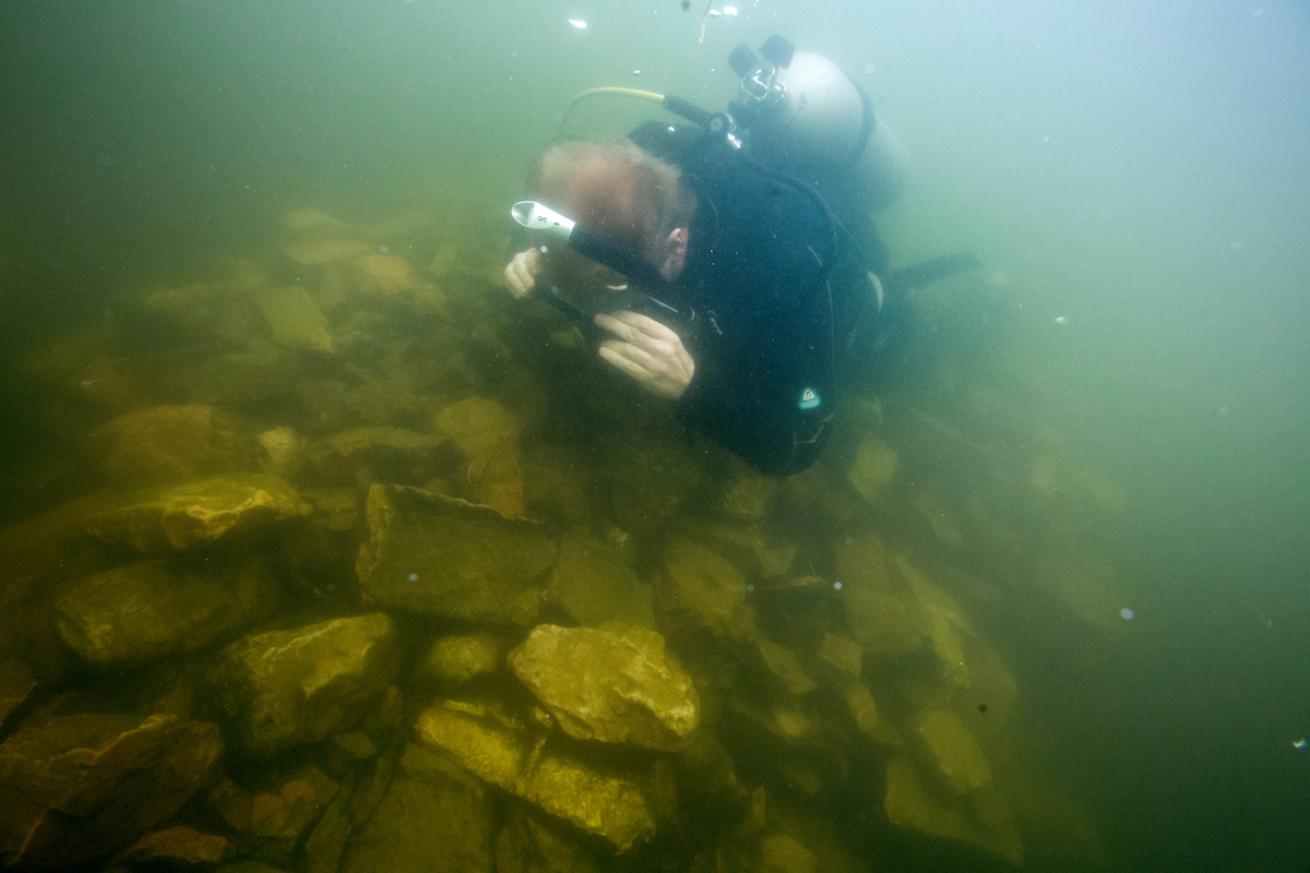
<point x="320" y="551"/>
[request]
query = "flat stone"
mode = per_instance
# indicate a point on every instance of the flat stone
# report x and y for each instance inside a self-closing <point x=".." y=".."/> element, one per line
<point x="592" y="797"/>
<point x="196" y="513"/>
<point x="457" y="659"/>
<point x="16" y="683"/>
<point x="294" y="319"/>
<point x="442" y="556"/>
<point x="592" y="584"/>
<point x="911" y="803"/>
<point x="76" y="788"/>
<point x="611" y="684"/>
<point x="177" y="846"/>
<point x="874" y="468"/>
<point x="432" y="818"/>
<point x="951" y="751"/>
<point x="287" y="688"/>
<point x="155" y="609"/>
<point x="700" y="590"/>
<point x="487" y="435"/>
<point x="785" y="667"/>
<point x="162" y="443"/>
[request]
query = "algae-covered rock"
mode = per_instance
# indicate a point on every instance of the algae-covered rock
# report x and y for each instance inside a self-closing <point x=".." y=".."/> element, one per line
<point x="161" y="443"/>
<point x="16" y="683"/>
<point x="177" y="846"/>
<point x="75" y="788"/>
<point x="433" y="817"/>
<point x="314" y="238"/>
<point x="591" y="796"/>
<point x="286" y="688"/>
<point x="527" y="843"/>
<point x="592" y="584"/>
<point x="951" y="751"/>
<point x="153" y="609"/>
<point x="283" y="811"/>
<point x="911" y="803"/>
<point x="651" y="475"/>
<point x="442" y="556"/>
<point x="781" y="853"/>
<point x="393" y="447"/>
<point x="698" y="589"/>
<point x="197" y="513"/>
<point x="487" y="435"/>
<point x="457" y="659"/>
<point x="873" y="469"/>
<point x="612" y="684"/>
<point x="294" y="319"/>
<point x="785" y="667"/>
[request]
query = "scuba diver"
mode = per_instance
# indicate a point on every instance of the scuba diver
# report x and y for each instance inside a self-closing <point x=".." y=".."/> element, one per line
<point x="730" y="263"/>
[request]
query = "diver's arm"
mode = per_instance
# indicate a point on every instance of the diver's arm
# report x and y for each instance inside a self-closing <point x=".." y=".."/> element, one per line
<point x="647" y="351"/>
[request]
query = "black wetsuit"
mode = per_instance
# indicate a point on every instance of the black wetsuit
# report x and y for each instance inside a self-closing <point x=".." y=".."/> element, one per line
<point x="776" y="283"/>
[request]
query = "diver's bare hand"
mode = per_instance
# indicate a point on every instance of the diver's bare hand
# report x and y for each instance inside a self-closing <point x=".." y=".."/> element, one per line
<point x="649" y="352"/>
<point x="522" y="271"/>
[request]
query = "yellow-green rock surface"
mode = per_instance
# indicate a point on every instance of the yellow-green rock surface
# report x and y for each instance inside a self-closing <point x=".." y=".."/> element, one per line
<point x="153" y="609"/>
<point x="613" y="684"/>
<point x="74" y="788"/>
<point x="285" y="688"/>
<point x="162" y="443"/>
<point x="591" y="796"/>
<point x="910" y="803"/>
<point x="197" y="513"/>
<point x="442" y="556"/>
<point x="593" y="585"/>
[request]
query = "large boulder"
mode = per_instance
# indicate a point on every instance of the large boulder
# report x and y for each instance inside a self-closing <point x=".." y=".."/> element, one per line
<point x="154" y="609"/>
<point x="294" y="319"/>
<point x="699" y="590"/>
<point x="445" y="557"/>
<point x="160" y="443"/>
<point x="287" y="688"/>
<point x="911" y="803"/>
<point x="457" y="659"/>
<point x="592" y="584"/>
<point x="596" y="798"/>
<point x="613" y="684"/>
<point x="196" y="513"/>
<point x="527" y="843"/>
<point x="75" y="788"/>
<point x="874" y="468"/>
<point x="487" y="435"/>
<point x="433" y="817"/>
<point x="951" y="751"/>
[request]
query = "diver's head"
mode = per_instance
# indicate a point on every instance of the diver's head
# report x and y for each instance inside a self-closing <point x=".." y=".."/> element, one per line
<point x="621" y="193"/>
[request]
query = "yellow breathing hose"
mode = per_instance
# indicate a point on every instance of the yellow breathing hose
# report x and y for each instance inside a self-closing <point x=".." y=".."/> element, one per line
<point x="610" y="90"/>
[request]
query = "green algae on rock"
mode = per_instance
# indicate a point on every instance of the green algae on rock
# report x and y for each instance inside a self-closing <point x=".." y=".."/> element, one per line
<point x="152" y="609"/>
<point x="442" y="556"/>
<point x="457" y="659"/>
<point x="910" y="803"/>
<point x="178" y="846"/>
<point x="162" y="443"/>
<point x="612" y="684"/>
<point x="75" y="788"/>
<point x="592" y="584"/>
<point x="287" y="688"/>
<point x="591" y="796"/>
<point x="196" y="513"/>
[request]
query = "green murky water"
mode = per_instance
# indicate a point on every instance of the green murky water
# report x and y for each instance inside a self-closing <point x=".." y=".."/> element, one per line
<point x="1043" y="598"/>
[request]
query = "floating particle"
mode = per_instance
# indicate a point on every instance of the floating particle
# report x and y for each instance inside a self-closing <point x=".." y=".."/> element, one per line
<point x="636" y="72"/>
<point x="413" y="577"/>
<point x="578" y="23"/>
<point x="982" y="707"/>
<point x="686" y="4"/>
<point x="730" y="11"/>
<point x="1062" y="320"/>
<point x="543" y="249"/>
<point x="384" y="249"/>
<point x="1127" y="614"/>
<point x="1300" y="744"/>
<point x="837" y="586"/>
<point x="750" y="589"/>
<point x="869" y="68"/>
